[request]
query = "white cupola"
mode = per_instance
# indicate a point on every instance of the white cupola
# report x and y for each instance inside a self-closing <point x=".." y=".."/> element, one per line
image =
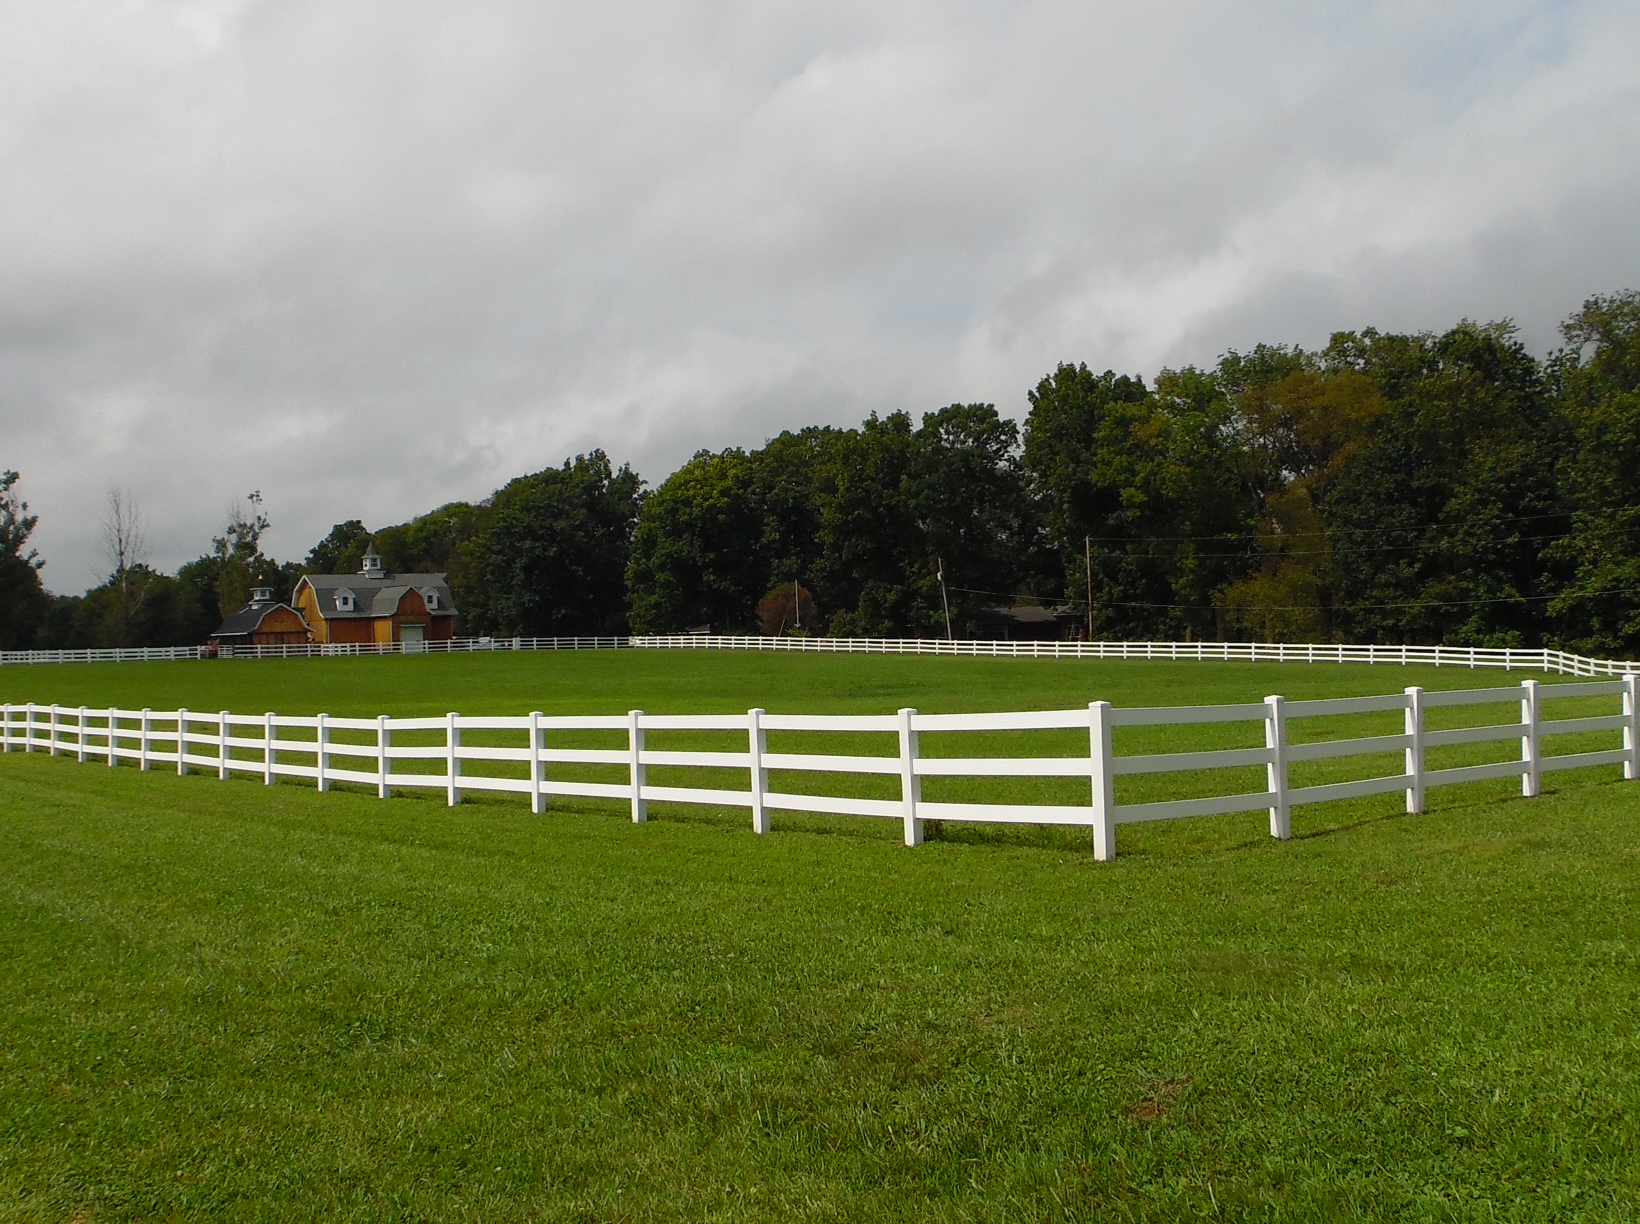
<point x="373" y="564"/>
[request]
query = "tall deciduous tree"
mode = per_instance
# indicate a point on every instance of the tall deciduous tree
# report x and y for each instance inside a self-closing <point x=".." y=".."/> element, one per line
<point x="698" y="553"/>
<point x="554" y="558"/>
<point x="1148" y="489"/>
<point x="23" y="599"/>
<point x="1599" y="373"/>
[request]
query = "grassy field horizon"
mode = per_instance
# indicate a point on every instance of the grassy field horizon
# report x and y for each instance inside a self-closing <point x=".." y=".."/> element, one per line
<point x="221" y="1000"/>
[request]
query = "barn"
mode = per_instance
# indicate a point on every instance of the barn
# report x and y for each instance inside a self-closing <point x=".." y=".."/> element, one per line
<point x="375" y="606"/>
<point x="263" y="622"/>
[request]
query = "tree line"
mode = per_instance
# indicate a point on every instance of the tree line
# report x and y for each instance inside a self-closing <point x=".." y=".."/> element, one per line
<point x="1388" y="487"/>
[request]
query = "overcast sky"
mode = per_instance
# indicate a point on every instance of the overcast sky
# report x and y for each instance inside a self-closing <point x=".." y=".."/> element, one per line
<point x="372" y="257"/>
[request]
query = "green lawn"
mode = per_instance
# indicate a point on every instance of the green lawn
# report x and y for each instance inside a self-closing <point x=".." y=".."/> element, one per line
<point x="220" y="1000"/>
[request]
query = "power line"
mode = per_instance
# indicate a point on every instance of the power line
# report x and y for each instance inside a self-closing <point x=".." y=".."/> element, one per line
<point x="1506" y="518"/>
<point x="1346" y="607"/>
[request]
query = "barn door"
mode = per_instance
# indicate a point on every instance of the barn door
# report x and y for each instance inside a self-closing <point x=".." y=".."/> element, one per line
<point x="413" y="637"/>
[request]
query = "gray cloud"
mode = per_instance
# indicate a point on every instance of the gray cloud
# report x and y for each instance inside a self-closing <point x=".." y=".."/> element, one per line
<point x="369" y="257"/>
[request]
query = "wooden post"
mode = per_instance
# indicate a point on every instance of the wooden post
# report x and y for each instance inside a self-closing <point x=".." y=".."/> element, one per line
<point x="222" y="745"/>
<point x="538" y="767"/>
<point x="51" y="730"/>
<point x="1275" y="739"/>
<point x="635" y="741"/>
<point x="758" y="745"/>
<point x="452" y="752"/>
<point x="142" y="743"/>
<point x="79" y="740"/>
<point x="1415" y="750"/>
<point x="1102" y="773"/>
<point x="383" y="736"/>
<point x="182" y="742"/>
<point x="1531" y="783"/>
<point x="321" y="741"/>
<point x="910" y="783"/>
<point x="269" y="751"/>
<point x="113" y="748"/>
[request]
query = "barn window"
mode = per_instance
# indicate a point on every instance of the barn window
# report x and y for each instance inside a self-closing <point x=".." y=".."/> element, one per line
<point x="345" y="601"/>
<point x="431" y="599"/>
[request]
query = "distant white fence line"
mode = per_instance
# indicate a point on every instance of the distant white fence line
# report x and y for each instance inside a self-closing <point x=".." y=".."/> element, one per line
<point x="1554" y="661"/>
<point x="267" y="745"/>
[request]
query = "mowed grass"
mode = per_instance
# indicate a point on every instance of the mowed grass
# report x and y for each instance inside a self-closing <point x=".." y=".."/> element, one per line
<point x="219" y="1000"/>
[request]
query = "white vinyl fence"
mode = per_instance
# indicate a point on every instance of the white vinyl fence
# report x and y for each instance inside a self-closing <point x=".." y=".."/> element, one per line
<point x="1557" y="662"/>
<point x="375" y="752"/>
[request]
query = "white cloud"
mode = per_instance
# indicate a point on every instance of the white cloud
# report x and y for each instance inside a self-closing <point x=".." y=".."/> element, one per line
<point x="369" y="257"/>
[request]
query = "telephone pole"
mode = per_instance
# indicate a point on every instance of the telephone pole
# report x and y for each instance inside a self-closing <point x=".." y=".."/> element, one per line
<point x="1087" y="565"/>
<point x="944" y="600"/>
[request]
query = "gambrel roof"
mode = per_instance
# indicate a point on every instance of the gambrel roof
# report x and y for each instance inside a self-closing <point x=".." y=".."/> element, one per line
<point x="377" y="597"/>
<point x="249" y="619"/>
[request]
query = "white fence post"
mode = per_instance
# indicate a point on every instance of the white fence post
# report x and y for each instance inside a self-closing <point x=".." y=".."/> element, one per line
<point x="1275" y="739"/>
<point x="321" y="742"/>
<point x="452" y="758"/>
<point x="51" y="730"/>
<point x="910" y="783"/>
<point x="758" y="745"/>
<point x="113" y="758"/>
<point x="269" y="751"/>
<point x="538" y="767"/>
<point x="142" y="743"/>
<point x="1102" y="773"/>
<point x="1631" y="733"/>
<point x="1530" y="750"/>
<point x="1415" y="750"/>
<point x="5" y="729"/>
<point x="634" y="731"/>
<point x="79" y="742"/>
<point x="382" y="739"/>
<point x="222" y="745"/>
<point x="182" y="742"/>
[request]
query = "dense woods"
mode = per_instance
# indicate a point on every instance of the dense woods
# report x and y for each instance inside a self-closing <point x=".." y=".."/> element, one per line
<point x="1386" y="488"/>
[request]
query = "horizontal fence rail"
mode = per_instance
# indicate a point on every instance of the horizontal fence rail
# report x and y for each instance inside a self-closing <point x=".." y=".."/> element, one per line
<point x="1557" y="662"/>
<point x="441" y="754"/>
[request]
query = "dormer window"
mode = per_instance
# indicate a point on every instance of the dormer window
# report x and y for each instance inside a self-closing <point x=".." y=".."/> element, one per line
<point x="430" y="598"/>
<point x="345" y="601"/>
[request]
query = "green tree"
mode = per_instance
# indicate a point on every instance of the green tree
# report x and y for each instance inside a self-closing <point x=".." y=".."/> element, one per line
<point x="240" y="564"/>
<point x="1441" y="524"/>
<point x="554" y="558"/>
<point x="1599" y="377"/>
<point x="698" y="551"/>
<point x="340" y="552"/>
<point x="1151" y="486"/>
<point x="23" y="598"/>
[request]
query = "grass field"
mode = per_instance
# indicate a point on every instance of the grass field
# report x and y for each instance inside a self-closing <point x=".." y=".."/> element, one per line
<point x="225" y="1001"/>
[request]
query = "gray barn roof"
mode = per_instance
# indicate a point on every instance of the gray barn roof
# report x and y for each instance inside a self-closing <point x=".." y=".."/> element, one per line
<point x="375" y="597"/>
<point x="249" y="619"/>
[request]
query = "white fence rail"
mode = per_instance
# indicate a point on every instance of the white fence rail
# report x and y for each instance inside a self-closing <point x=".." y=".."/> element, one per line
<point x="375" y="752"/>
<point x="1557" y="662"/>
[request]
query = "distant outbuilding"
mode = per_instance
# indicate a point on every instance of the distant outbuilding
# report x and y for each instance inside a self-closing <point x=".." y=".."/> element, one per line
<point x="1026" y="622"/>
<point x="263" y="622"/>
<point x="376" y="606"/>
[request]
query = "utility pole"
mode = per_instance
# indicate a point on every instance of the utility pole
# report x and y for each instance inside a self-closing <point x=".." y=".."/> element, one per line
<point x="944" y="600"/>
<point x="797" y="604"/>
<point x="1087" y="565"/>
